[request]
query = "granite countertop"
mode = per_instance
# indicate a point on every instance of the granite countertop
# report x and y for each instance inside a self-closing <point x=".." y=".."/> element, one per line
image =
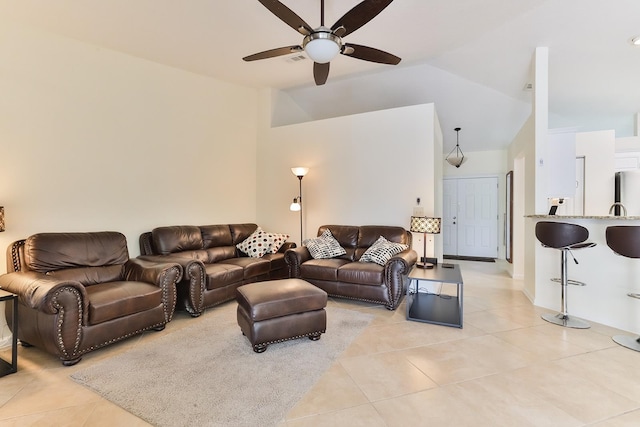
<point x="610" y="217"/>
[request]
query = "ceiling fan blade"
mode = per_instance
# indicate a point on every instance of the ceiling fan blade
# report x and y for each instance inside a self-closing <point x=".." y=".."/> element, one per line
<point x="320" y="73"/>
<point x="358" y="16"/>
<point x="271" y="53"/>
<point x="369" y="54"/>
<point x="287" y="16"/>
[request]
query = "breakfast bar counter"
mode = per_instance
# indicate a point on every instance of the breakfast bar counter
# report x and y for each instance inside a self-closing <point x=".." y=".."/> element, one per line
<point x="609" y="277"/>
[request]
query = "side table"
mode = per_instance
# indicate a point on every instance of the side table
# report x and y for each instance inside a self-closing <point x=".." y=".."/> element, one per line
<point x="432" y="308"/>
<point x="7" y="368"/>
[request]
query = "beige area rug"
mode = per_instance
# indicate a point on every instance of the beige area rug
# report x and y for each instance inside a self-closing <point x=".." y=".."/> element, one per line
<point x="206" y="374"/>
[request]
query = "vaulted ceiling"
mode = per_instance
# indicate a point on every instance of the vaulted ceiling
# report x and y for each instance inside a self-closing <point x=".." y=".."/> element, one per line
<point x="471" y="57"/>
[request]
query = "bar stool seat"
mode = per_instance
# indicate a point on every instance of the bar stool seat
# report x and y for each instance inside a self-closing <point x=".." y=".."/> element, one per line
<point x="625" y="240"/>
<point x="565" y="237"/>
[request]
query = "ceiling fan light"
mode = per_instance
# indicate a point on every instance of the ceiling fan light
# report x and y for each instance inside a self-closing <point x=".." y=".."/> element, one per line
<point x="321" y="45"/>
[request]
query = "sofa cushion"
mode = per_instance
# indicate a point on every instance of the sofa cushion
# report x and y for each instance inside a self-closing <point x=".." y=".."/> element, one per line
<point x="220" y="275"/>
<point x="47" y="252"/>
<point x="324" y="246"/>
<point x="252" y="267"/>
<point x="111" y="300"/>
<point x="219" y="253"/>
<point x="322" y="269"/>
<point x="382" y="251"/>
<point x="239" y="232"/>
<point x="89" y="275"/>
<point x="277" y="260"/>
<point x="361" y="273"/>
<point x="216" y="235"/>
<point x="177" y="238"/>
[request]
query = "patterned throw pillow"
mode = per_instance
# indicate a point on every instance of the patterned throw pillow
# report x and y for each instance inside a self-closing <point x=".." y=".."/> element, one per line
<point x="260" y="243"/>
<point x="382" y="251"/>
<point x="324" y="246"/>
<point x="278" y="241"/>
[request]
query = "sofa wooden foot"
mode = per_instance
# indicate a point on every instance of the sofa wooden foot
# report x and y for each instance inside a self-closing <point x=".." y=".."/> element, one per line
<point x="260" y="348"/>
<point x="315" y="336"/>
<point x="71" y="362"/>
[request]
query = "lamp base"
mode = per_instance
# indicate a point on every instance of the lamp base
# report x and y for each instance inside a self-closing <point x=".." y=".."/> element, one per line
<point x="426" y="265"/>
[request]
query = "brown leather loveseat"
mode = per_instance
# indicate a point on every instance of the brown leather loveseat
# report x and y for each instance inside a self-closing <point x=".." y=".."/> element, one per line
<point x="346" y="276"/>
<point x="78" y="292"/>
<point x="214" y="267"/>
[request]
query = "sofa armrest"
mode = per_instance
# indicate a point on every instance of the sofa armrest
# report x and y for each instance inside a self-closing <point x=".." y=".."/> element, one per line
<point x="164" y="275"/>
<point x="396" y="272"/>
<point x="160" y="274"/>
<point x="39" y="292"/>
<point x="286" y="246"/>
<point x="402" y="262"/>
<point x="294" y="258"/>
<point x="191" y="293"/>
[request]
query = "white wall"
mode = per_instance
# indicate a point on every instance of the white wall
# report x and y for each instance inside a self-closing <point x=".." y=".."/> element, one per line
<point x="97" y="140"/>
<point x="598" y="149"/>
<point x="522" y="159"/>
<point x="364" y="169"/>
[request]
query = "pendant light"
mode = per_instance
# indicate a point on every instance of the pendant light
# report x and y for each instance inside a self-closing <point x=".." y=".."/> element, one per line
<point x="456" y="156"/>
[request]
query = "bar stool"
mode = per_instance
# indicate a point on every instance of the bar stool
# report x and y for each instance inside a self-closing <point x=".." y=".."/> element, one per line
<point x="625" y="240"/>
<point x="564" y="237"/>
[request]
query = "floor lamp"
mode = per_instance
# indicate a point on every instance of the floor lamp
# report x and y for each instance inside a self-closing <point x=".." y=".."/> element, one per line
<point x="425" y="225"/>
<point x="300" y="172"/>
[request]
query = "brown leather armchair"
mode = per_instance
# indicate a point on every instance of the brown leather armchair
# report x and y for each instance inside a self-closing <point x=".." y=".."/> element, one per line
<point x="344" y="276"/>
<point x="80" y="291"/>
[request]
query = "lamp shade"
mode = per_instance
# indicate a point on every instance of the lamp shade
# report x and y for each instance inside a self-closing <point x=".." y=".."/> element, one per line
<point x="299" y="171"/>
<point x="295" y="205"/>
<point x="424" y="224"/>
<point x="1" y="218"/>
<point x="456" y="157"/>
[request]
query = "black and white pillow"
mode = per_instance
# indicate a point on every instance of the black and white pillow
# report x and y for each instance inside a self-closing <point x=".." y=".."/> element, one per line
<point x="261" y="242"/>
<point x="382" y="250"/>
<point x="324" y="246"/>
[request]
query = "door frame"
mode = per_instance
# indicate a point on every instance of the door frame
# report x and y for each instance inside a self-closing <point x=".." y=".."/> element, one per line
<point x="501" y="205"/>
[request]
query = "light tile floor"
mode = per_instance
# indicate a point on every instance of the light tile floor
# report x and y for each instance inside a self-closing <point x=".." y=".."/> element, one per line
<point x="506" y="367"/>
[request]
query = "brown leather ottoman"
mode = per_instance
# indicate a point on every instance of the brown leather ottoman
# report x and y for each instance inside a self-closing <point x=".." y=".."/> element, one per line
<point x="280" y="310"/>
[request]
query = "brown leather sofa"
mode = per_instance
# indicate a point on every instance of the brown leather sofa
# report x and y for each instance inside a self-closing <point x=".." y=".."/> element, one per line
<point x="80" y="291"/>
<point x="345" y="277"/>
<point x="214" y="267"/>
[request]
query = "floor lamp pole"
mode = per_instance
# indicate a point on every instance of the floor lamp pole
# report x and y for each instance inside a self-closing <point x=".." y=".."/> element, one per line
<point x="300" y="199"/>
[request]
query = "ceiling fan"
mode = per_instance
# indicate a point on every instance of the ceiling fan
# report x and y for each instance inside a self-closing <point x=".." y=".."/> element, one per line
<point x="322" y="44"/>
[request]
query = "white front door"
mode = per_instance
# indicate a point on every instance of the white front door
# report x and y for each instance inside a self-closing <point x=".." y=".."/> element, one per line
<point x="470" y="211"/>
<point x="449" y="226"/>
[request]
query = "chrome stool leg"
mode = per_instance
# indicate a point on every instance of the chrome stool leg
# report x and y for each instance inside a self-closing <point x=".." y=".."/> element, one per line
<point x="563" y="318"/>
<point x="628" y="341"/>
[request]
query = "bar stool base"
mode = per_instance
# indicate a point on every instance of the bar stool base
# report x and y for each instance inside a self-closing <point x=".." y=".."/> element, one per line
<point x="565" y="320"/>
<point x="627" y="341"/>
